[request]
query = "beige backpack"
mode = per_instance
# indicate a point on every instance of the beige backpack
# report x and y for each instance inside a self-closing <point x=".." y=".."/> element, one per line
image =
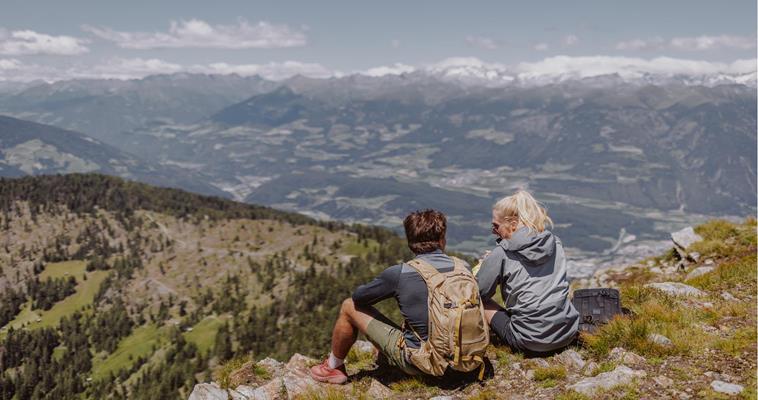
<point x="458" y="330"/>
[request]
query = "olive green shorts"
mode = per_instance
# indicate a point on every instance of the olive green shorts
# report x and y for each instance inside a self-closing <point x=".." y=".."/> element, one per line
<point x="388" y="338"/>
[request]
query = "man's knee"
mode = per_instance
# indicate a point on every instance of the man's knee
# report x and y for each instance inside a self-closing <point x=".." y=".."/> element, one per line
<point x="348" y="307"/>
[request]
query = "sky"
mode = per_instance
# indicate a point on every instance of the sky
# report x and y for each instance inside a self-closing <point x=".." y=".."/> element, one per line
<point x="85" y="38"/>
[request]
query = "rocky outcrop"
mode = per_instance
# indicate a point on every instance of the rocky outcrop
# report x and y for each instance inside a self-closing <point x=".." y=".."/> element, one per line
<point x="622" y="375"/>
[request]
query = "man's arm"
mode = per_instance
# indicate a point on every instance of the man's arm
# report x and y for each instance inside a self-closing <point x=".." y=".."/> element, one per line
<point x="381" y="288"/>
<point x="490" y="274"/>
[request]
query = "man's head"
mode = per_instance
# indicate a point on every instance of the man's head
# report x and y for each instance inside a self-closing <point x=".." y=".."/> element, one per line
<point x="425" y="231"/>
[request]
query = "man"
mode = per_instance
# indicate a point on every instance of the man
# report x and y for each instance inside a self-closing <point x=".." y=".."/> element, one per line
<point x="425" y="231"/>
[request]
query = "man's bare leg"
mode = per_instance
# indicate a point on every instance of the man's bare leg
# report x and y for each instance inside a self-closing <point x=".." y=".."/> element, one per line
<point x="350" y="321"/>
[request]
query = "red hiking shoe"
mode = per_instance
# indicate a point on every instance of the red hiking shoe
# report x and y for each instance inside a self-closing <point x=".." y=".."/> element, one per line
<point x="323" y="373"/>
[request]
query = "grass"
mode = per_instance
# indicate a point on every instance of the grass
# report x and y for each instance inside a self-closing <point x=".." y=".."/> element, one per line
<point x="139" y="344"/>
<point x="571" y="395"/>
<point x="486" y="394"/>
<point x="354" y="248"/>
<point x="742" y="339"/>
<point x="733" y="247"/>
<point x="553" y="372"/>
<point x="203" y="334"/>
<point x="223" y="373"/>
<point x="413" y="384"/>
<point x="327" y="393"/>
<point x="505" y="357"/>
<point x="85" y="294"/>
<point x="359" y="360"/>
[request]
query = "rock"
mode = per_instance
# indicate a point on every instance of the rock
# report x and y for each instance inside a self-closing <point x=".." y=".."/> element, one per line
<point x="590" y="368"/>
<point x="619" y="354"/>
<point x="442" y="398"/>
<point x="709" y="261"/>
<point x="235" y="395"/>
<point x="270" y="363"/>
<point x="694" y="256"/>
<point x="622" y="375"/>
<point x="243" y="375"/>
<point x="656" y="270"/>
<point x="378" y="391"/>
<point x="726" y="388"/>
<point x="676" y="289"/>
<point x="728" y="296"/>
<point x="530" y="374"/>
<point x="539" y="362"/>
<point x="273" y="390"/>
<point x="364" y="347"/>
<point x="699" y="271"/>
<point x="297" y="383"/>
<point x="659" y="339"/>
<point x="571" y="359"/>
<point x="301" y="362"/>
<point x="686" y="237"/>
<point x="663" y="381"/>
<point x="208" y="391"/>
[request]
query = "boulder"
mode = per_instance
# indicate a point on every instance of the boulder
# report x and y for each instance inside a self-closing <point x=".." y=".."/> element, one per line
<point x="363" y="346"/>
<point x="676" y="289"/>
<point x="208" y="391"/>
<point x="686" y="237"/>
<point x="571" y="359"/>
<point x="273" y="390"/>
<point x="378" y="391"/>
<point x="623" y="356"/>
<point x="300" y="362"/>
<point x="728" y="296"/>
<point x="659" y="339"/>
<point x="590" y="368"/>
<point x="699" y="271"/>
<point x="726" y="388"/>
<point x="297" y="384"/>
<point x="622" y="375"/>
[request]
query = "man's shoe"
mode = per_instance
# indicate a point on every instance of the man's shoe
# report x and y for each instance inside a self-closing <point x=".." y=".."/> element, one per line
<point x="323" y="373"/>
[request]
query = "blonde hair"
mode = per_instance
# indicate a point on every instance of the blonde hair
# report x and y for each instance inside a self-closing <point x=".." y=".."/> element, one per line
<point x="523" y="206"/>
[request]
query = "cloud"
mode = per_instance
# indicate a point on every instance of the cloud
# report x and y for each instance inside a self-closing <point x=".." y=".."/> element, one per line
<point x="699" y="43"/>
<point x="10" y="63"/>
<point x="273" y="71"/>
<point x="713" y="42"/>
<point x="570" y="40"/>
<point x="28" y="42"/>
<point x="395" y="43"/>
<point x="541" y="46"/>
<point x="582" y="67"/>
<point x="395" y="69"/>
<point x="200" y="34"/>
<point x="482" y="42"/>
<point x="641" y="44"/>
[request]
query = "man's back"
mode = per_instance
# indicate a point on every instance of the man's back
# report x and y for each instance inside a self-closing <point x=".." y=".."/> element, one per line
<point x="409" y="289"/>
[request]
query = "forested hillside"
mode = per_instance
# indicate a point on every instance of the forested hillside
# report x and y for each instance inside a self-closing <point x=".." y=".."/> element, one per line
<point x="116" y="289"/>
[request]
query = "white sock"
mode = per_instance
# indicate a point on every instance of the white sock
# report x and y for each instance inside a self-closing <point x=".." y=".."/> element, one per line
<point x="334" y="362"/>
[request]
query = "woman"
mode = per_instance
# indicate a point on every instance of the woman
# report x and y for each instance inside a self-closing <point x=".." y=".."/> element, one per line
<point x="529" y="265"/>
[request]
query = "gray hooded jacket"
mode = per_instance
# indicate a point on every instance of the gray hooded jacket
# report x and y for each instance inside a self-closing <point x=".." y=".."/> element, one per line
<point x="531" y="271"/>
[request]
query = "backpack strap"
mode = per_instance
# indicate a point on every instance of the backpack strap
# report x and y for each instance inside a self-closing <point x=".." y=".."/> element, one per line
<point x="426" y="270"/>
<point x="458" y="264"/>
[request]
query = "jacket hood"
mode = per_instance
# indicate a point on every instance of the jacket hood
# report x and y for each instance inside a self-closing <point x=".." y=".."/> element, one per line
<point x="536" y="248"/>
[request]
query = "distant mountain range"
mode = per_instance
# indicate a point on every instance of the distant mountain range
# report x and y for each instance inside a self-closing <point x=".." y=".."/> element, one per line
<point x="619" y="159"/>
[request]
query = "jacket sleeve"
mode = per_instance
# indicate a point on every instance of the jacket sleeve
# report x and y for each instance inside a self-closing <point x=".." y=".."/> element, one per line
<point x="381" y="288"/>
<point x="490" y="274"/>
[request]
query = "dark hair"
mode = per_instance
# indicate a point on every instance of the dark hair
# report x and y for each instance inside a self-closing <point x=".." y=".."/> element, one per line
<point x="425" y="230"/>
